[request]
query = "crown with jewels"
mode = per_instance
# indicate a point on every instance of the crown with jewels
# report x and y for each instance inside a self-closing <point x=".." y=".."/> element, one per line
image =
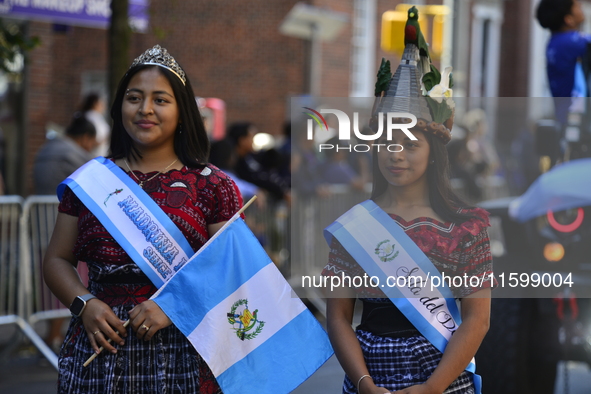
<point x="159" y="56"/>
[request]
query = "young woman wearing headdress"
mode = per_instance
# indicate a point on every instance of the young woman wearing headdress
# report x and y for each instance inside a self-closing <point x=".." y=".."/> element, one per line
<point x="158" y="142"/>
<point x="412" y="224"/>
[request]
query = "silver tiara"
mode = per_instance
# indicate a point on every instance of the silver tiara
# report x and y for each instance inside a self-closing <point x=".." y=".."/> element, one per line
<point x="159" y="56"/>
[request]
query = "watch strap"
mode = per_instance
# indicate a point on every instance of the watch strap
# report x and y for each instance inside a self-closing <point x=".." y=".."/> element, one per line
<point x="87" y="297"/>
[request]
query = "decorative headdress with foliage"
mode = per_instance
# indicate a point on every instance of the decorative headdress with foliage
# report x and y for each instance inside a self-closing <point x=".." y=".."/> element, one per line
<point x="417" y="87"/>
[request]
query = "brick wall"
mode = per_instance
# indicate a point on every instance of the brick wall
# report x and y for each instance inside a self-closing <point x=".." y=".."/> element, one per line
<point x="38" y="100"/>
<point x="229" y="50"/>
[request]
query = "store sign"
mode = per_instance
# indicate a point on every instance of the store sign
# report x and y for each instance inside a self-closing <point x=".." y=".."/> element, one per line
<point x="88" y="13"/>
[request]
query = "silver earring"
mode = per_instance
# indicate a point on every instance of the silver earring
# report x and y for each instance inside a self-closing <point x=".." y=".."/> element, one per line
<point x="180" y="128"/>
<point x="432" y="162"/>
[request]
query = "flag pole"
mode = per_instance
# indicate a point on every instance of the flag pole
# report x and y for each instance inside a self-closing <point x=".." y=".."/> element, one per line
<point x="102" y="348"/>
<point x="245" y="206"/>
<point x="237" y="214"/>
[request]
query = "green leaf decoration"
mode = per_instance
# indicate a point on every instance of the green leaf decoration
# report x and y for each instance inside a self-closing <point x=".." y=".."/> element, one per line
<point x="13" y="41"/>
<point x="431" y="78"/>
<point x="451" y="80"/>
<point x="384" y="76"/>
<point x="256" y="332"/>
<point x="440" y="111"/>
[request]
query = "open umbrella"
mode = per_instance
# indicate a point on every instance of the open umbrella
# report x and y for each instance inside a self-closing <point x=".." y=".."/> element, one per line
<point x="565" y="186"/>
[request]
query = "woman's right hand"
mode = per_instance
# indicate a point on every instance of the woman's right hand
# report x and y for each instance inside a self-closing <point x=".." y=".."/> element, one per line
<point x="101" y="324"/>
<point x="368" y="387"/>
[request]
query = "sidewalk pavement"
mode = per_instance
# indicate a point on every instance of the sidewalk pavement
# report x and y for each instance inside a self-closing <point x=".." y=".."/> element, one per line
<point x="30" y="374"/>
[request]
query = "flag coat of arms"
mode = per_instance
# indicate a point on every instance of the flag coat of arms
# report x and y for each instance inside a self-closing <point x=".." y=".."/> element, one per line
<point x="241" y="315"/>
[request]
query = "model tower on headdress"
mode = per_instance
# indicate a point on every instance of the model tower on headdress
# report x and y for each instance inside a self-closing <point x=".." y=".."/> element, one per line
<point x="417" y="87"/>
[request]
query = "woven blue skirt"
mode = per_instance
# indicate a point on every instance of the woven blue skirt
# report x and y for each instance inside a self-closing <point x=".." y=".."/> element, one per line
<point x="167" y="363"/>
<point x="397" y="363"/>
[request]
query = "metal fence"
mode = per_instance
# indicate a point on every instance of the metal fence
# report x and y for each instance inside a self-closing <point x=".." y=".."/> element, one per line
<point x="10" y="214"/>
<point x="38" y="220"/>
<point x="24" y="236"/>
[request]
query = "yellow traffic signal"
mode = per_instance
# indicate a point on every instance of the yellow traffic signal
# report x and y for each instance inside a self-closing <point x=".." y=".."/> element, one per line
<point x="431" y="18"/>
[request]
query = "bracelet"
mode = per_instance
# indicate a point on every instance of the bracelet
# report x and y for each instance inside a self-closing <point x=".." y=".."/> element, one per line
<point x="360" y="379"/>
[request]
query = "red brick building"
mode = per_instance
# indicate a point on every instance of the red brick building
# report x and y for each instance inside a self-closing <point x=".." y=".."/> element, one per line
<point x="230" y="50"/>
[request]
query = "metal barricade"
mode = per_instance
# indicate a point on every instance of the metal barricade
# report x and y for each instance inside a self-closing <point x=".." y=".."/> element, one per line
<point x="309" y="218"/>
<point x="270" y="224"/>
<point x="309" y="251"/>
<point x="15" y="277"/>
<point x="37" y="222"/>
<point x="10" y="213"/>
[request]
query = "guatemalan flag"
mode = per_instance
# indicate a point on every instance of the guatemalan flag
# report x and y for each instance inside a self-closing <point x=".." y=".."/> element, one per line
<point x="239" y="313"/>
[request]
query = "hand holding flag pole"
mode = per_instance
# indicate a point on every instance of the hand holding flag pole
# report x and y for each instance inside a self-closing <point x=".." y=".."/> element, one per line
<point x="91" y="358"/>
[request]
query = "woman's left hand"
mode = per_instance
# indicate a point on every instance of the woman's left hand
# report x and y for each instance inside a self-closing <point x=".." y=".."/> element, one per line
<point x="146" y="319"/>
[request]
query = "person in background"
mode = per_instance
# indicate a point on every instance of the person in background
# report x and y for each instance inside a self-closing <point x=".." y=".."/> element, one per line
<point x="461" y="168"/>
<point x="361" y="161"/>
<point x="223" y="156"/>
<point x="305" y="176"/>
<point x="93" y="108"/>
<point x="565" y="50"/>
<point x="248" y="168"/>
<point x="336" y="169"/>
<point x="62" y="155"/>
<point x="285" y="149"/>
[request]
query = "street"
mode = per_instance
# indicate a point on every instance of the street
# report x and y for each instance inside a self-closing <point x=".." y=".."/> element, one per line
<point x="29" y="374"/>
<point x="24" y="371"/>
<point x="32" y="375"/>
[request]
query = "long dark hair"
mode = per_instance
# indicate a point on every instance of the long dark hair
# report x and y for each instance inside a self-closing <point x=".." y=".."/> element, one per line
<point x="191" y="145"/>
<point x="443" y="200"/>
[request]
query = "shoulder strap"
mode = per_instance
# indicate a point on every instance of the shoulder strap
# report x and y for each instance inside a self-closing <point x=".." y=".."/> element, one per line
<point x="133" y="219"/>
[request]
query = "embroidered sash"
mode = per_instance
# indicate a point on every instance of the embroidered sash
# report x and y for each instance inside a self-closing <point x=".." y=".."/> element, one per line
<point x="136" y="222"/>
<point x="404" y="273"/>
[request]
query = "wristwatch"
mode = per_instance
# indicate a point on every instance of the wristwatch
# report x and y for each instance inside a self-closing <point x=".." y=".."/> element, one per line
<point x="79" y="304"/>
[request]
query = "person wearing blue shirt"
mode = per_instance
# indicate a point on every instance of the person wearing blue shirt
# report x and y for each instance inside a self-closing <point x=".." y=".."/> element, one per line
<point x="567" y="65"/>
<point x="566" y="48"/>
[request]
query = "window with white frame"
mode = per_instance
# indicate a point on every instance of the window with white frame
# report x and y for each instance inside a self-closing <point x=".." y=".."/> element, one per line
<point x="363" y="49"/>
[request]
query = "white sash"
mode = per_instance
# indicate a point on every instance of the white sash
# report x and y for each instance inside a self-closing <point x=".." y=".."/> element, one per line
<point x="382" y="249"/>
<point x="134" y="220"/>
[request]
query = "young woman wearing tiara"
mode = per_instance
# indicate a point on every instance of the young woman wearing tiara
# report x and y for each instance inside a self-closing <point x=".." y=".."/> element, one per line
<point x="159" y="142"/>
<point x="413" y="223"/>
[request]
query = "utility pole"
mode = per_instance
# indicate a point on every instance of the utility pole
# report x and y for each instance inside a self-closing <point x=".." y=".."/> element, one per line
<point x="119" y="41"/>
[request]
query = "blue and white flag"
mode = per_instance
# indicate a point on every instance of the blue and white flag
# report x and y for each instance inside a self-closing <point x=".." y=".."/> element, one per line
<point x="241" y="315"/>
